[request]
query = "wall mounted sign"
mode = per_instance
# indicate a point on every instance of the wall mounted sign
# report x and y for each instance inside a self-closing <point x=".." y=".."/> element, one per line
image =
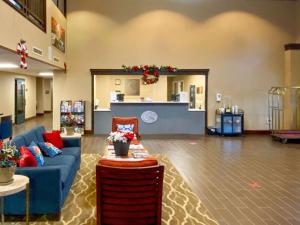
<point x="57" y="35"/>
<point x="149" y="117"/>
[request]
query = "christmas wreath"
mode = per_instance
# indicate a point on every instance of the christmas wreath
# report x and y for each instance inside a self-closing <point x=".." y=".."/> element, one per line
<point x="150" y="74"/>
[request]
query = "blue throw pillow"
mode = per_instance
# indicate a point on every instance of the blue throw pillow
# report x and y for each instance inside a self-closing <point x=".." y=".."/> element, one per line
<point x="36" y="152"/>
<point x="49" y="149"/>
<point x="125" y="127"/>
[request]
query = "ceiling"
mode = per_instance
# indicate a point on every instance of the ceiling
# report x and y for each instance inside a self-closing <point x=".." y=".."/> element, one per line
<point x="34" y="66"/>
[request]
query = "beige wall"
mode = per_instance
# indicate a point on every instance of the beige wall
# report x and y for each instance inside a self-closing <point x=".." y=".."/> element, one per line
<point x="106" y="84"/>
<point x="7" y="86"/>
<point x="14" y="26"/>
<point x="39" y="95"/>
<point x="291" y="79"/>
<point x="298" y="22"/>
<point x="47" y="94"/>
<point x="241" y="42"/>
<point x="199" y="81"/>
<point x="44" y="100"/>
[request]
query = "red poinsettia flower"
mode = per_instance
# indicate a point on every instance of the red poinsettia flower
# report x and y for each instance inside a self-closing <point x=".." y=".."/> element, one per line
<point x="146" y="73"/>
<point x="1" y="144"/>
<point x="135" y="68"/>
<point x="170" y="69"/>
<point x="155" y="73"/>
<point x="146" y="67"/>
<point x="129" y="136"/>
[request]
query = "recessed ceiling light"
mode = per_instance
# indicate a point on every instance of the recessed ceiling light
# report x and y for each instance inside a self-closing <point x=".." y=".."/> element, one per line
<point x="8" y="66"/>
<point x="46" y="73"/>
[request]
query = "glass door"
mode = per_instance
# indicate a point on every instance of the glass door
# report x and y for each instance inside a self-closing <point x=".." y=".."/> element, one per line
<point x="19" y="101"/>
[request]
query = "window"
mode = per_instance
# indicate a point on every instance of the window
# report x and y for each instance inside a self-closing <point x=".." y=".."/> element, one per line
<point x="61" y="5"/>
<point x="33" y="10"/>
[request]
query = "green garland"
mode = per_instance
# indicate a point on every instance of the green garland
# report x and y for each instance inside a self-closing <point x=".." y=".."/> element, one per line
<point x="150" y="73"/>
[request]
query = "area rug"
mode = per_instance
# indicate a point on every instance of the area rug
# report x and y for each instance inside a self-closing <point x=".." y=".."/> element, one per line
<point x="180" y="205"/>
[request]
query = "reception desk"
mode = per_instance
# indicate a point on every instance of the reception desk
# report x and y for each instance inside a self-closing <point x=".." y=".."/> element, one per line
<point x="172" y="117"/>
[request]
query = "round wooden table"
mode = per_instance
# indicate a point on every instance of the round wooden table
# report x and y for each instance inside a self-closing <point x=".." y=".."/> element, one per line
<point x="20" y="183"/>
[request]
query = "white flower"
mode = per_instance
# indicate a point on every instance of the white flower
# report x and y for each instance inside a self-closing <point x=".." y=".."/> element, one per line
<point x="117" y="136"/>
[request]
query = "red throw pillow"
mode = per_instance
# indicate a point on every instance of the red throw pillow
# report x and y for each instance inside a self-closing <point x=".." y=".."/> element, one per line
<point x="27" y="159"/>
<point x="54" y="138"/>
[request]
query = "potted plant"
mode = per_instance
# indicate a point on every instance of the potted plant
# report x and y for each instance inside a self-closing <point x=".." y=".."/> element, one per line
<point x="8" y="161"/>
<point x="69" y="123"/>
<point x="121" y="141"/>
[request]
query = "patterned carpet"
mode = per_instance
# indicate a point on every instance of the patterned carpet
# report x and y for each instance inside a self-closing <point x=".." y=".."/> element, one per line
<point x="180" y="205"/>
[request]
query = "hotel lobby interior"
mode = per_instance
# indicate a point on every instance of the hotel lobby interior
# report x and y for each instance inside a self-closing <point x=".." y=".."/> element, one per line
<point x="130" y="112"/>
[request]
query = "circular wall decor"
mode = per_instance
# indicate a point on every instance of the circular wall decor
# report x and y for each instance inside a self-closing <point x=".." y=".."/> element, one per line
<point x="149" y="117"/>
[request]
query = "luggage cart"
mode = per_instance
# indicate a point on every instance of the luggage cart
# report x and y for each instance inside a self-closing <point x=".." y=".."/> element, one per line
<point x="284" y="101"/>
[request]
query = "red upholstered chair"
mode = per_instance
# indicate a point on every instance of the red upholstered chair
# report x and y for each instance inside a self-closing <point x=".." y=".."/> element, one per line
<point x="126" y="120"/>
<point x="129" y="195"/>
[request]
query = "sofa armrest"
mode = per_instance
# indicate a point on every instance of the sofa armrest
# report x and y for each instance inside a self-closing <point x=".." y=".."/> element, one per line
<point x="45" y="189"/>
<point x="72" y="142"/>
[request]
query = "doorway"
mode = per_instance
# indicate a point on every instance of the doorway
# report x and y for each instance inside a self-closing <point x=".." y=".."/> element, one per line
<point x="19" y="101"/>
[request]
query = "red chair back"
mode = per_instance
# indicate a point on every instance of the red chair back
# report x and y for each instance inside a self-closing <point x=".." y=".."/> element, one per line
<point x="129" y="196"/>
<point x="126" y="120"/>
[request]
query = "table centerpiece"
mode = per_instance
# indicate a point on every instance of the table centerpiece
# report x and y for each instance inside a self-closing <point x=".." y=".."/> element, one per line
<point x="9" y="155"/>
<point x="121" y="141"/>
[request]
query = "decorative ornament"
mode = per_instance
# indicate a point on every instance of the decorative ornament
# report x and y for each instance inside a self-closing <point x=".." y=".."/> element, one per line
<point x="23" y="52"/>
<point x="150" y="73"/>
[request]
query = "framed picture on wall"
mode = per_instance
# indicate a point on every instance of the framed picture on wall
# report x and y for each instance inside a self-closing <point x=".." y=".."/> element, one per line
<point x="57" y="35"/>
<point x="132" y="87"/>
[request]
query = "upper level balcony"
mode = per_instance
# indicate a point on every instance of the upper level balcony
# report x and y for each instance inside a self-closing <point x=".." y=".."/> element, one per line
<point x="41" y="23"/>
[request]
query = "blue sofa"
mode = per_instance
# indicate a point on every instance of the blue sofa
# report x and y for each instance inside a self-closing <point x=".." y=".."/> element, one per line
<point x="49" y="184"/>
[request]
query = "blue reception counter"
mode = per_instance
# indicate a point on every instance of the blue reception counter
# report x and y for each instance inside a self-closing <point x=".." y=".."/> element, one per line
<point x="172" y="117"/>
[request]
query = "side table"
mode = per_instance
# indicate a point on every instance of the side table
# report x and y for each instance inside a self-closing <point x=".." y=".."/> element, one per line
<point x="20" y="183"/>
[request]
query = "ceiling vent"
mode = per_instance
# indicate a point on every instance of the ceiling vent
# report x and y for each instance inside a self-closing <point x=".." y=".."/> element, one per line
<point x="37" y="51"/>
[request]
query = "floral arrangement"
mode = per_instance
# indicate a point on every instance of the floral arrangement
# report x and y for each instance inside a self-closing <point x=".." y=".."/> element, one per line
<point x="150" y="73"/>
<point x="121" y="136"/>
<point x="69" y="120"/>
<point x="9" y="155"/>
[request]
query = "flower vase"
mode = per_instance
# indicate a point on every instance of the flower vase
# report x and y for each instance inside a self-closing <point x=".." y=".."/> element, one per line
<point x="70" y="131"/>
<point x="6" y="175"/>
<point x="121" y="148"/>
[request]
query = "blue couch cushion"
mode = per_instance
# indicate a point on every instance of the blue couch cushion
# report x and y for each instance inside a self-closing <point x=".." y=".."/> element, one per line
<point x="66" y="164"/>
<point x="19" y="141"/>
<point x="74" y="151"/>
<point x="30" y="136"/>
<point x="39" y="133"/>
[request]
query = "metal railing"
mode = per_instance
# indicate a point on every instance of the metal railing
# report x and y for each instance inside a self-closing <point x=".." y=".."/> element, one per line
<point x="33" y="10"/>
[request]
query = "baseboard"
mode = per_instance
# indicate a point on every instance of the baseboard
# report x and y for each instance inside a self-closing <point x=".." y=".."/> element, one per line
<point x="292" y="46"/>
<point x="30" y="118"/>
<point x="88" y="132"/>
<point x="47" y="111"/>
<point x="39" y="114"/>
<point x="258" y="132"/>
